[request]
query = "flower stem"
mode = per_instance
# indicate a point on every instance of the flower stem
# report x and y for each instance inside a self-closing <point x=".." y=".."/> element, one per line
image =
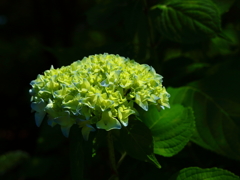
<point x="76" y="153"/>
<point x="121" y="159"/>
<point x="112" y="157"/>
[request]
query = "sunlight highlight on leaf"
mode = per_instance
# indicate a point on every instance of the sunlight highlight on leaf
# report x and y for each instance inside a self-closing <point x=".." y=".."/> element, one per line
<point x="171" y="128"/>
<point x="195" y="173"/>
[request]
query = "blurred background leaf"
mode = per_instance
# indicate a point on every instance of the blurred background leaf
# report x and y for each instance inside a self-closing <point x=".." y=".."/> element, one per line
<point x="224" y="5"/>
<point x="11" y="159"/>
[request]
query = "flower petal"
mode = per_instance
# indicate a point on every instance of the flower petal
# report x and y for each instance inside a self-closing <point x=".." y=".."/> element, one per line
<point x="108" y="122"/>
<point x="50" y="121"/>
<point x="64" y="119"/>
<point x="142" y="104"/>
<point x="86" y="130"/>
<point x="39" y="116"/>
<point x="65" y="130"/>
<point x="40" y="113"/>
<point x="104" y="83"/>
<point x="124" y="113"/>
<point x="38" y="106"/>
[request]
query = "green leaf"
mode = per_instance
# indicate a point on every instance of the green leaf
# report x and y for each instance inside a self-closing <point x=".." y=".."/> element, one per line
<point x="137" y="141"/>
<point x="11" y="159"/>
<point x="224" y="5"/>
<point x="76" y="153"/>
<point x="219" y="46"/>
<point x="195" y="173"/>
<point x="171" y="128"/>
<point x="215" y="129"/>
<point x="189" y="21"/>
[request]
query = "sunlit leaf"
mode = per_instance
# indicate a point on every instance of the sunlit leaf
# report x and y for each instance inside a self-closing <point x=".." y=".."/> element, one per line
<point x="195" y="173"/>
<point x="171" y="128"/>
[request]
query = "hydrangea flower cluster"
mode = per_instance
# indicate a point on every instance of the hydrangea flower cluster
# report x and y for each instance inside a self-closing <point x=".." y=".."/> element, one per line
<point x="98" y="91"/>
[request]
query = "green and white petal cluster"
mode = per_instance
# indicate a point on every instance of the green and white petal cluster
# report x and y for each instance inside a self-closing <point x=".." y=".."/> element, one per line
<point x="100" y="90"/>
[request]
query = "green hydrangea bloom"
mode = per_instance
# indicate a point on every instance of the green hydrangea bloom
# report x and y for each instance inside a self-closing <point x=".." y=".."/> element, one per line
<point x="99" y="90"/>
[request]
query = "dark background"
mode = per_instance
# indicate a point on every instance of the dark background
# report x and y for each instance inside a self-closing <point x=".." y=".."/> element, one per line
<point x="37" y="34"/>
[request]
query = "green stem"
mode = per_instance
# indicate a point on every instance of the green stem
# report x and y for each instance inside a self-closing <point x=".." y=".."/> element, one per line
<point x="112" y="157"/>
<point x="121" y="159"/>
<point x="113" y="177"/>
<point x="76" y="153"/>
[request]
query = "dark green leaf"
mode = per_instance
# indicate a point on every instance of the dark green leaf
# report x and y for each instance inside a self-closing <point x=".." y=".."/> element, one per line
<point x="215" y="129"/>
<point x="171" y="128"/>
<point x="219" y="46"/>
<point x="137" y="141"/>
<point x="195" y="173"/>
<point x="189" y="21"/>
<point x="224" y="5"/>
